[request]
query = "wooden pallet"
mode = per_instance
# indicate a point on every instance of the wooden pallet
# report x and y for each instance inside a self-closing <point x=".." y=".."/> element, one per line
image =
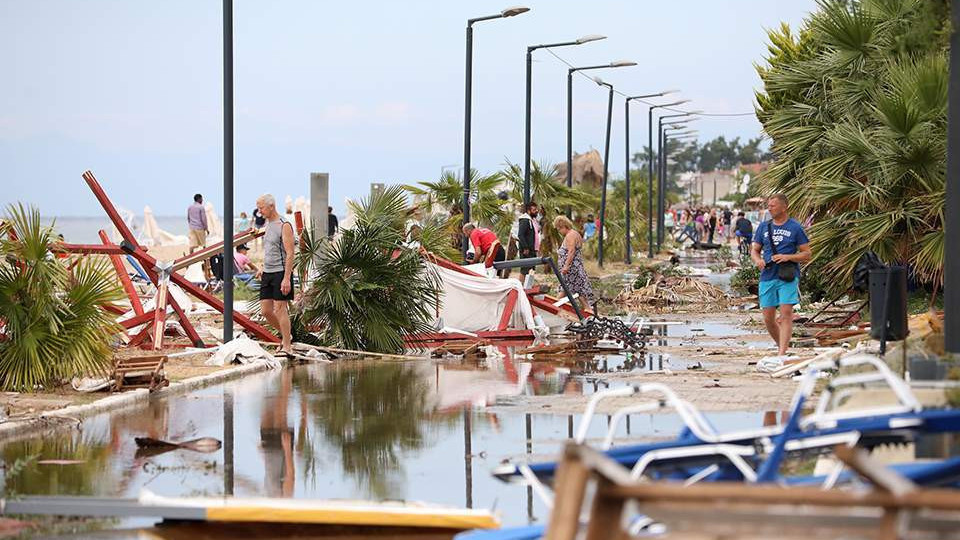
<point x="141" y="372"/>
<point x="464" y="347"/>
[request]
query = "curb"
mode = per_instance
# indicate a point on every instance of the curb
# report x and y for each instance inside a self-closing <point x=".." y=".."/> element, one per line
<point x="45" y="421"/>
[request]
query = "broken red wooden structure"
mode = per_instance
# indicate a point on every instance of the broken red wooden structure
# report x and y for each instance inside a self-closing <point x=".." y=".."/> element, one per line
<point x="161" y="274"/>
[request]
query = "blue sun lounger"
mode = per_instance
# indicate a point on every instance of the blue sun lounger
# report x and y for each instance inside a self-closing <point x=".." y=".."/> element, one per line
<point x="700" y="453"/>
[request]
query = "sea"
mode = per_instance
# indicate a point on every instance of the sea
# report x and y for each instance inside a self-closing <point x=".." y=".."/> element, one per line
<point x="84" y="229"/>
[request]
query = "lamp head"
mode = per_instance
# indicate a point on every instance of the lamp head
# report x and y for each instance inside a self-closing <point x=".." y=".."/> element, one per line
<point x="589" y="38"/>
<point x="515" y="10"/>
<point x="622" y="63"/>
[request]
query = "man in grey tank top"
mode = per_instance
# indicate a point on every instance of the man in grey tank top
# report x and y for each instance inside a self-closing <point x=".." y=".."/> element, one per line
<point x="276" y="276"/>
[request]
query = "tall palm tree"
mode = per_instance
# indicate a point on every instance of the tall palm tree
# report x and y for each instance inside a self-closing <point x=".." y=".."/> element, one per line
<point x="447" y="193"/>
<point x="856" y="106"/>
<point x="55" y="328"/>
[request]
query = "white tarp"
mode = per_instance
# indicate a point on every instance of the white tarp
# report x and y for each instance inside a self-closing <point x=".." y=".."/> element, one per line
<point x="475" y="303"/>
<point x="242" y="350"/>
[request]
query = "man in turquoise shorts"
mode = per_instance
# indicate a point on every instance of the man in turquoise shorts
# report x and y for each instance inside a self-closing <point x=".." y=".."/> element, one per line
<point x="779" y="240"/>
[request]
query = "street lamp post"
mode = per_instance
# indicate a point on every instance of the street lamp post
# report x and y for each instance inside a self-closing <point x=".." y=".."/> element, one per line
<point x="526" y="140"/>
<point x="669" y="137"/>
<point x="650" y="170"/>
<point x="468" y="94"/>
<point x="661" y="183"/>
<point x="570" y="72"/>
<point x="228" y="170"/>
<point x="628" y="257"/>
<point x="606" y="169"/>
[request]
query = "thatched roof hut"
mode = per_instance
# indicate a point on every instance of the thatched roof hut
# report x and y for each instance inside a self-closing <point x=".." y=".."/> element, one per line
<point x="587" y="169"/>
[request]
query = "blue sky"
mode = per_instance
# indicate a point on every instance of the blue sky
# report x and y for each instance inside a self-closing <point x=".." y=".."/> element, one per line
<point x="369" y="91"/>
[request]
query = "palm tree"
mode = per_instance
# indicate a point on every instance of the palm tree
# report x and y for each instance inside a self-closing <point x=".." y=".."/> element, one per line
<point x="446" y="194"/>
<point x="856" y="106"/>
<point x="369" y="289"/>
<point x="55" y="328"/>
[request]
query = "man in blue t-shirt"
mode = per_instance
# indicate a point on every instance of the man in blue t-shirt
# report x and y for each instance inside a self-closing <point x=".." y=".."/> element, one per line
<point x="780" y="239"/>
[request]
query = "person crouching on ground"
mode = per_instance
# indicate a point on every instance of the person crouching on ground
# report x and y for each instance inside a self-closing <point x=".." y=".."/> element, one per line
<point x="779" y="246"/>
<point x="276" y="276"/>
<point x="484" y="245"/>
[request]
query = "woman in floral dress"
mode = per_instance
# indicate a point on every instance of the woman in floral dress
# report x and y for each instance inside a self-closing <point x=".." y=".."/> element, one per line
<point x="570" y="260"/>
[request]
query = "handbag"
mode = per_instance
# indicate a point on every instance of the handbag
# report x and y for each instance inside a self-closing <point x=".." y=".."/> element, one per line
<point x="786" y="271"/>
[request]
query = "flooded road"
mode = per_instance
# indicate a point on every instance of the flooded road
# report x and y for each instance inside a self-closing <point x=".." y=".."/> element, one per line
<point x="416" y="431"/>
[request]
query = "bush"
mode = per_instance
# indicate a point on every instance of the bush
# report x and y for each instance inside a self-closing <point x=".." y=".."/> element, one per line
<point x="55" y="326"/>
<point x="747" y="278"/>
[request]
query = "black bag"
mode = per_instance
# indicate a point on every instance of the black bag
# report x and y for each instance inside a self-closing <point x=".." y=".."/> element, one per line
<point x="861" y="272"/>
<point x="786" y="271"/>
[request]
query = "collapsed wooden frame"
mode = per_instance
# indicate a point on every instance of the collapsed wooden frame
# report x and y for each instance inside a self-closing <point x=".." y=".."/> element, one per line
<point x="161" y="274"/>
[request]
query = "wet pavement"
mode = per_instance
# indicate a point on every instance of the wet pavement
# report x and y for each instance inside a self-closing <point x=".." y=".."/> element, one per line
<point x="417" y="431"/>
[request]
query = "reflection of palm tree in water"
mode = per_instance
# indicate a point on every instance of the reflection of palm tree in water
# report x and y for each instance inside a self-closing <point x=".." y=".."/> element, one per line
<point x="276" y="440"/>
<point x="372" y="412"/>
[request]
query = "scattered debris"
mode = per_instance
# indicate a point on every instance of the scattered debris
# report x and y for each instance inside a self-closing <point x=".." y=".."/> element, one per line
<point x="464" y="348"/>
<point x="666" y="291"/>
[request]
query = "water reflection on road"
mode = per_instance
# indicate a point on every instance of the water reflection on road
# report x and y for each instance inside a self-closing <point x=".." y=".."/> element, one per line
<point x="354" y="429"/>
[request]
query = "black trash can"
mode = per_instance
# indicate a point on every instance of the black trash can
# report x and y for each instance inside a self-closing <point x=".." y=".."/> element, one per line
<point x="890" y="281"/>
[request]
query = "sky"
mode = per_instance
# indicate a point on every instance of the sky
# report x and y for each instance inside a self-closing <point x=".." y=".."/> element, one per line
<point x="368" y="91"/>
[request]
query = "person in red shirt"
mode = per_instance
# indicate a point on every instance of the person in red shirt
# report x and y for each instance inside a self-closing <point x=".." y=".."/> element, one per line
<point x="484" y="245"/>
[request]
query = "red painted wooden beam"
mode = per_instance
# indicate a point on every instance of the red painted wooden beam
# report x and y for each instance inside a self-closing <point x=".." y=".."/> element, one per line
<point x="508" y="310"/>
<point x="124" y="277"/>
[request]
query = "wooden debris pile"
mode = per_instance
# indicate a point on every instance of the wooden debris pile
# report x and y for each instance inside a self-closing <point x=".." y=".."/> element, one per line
<point x="566" y="348"/>
<point x="664" y="291"/>
<point x="461" y="347"/>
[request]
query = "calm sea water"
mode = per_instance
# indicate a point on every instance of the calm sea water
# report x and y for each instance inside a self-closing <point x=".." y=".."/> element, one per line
<point x="83" y="229"/>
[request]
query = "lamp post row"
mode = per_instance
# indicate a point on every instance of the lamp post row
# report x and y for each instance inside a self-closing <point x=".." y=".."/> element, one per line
<point x="467" y="169"/>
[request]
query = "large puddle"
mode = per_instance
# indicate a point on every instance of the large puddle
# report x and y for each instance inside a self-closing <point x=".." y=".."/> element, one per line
<point x="415" y="431"/>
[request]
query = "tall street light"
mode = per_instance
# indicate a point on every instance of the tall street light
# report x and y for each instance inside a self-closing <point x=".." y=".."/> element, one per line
<point x="526" y="155"/>
<point x="606" y="169"/>
<point x="228" y="170"/>
<point x="661" y="182"/>
<point x="570" y="72"/>
<point x="628" y="258"/>
<point x="509" y="12"/>
<point x="661" y="156"/>
<point x="669" y="137"/>
<point x="650" y="170"/>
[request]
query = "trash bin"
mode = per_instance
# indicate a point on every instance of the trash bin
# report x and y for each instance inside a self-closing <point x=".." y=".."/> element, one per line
<point x="888" y="292"/>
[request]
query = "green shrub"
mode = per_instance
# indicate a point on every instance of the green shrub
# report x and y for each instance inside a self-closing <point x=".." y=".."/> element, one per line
<point x="55" y="328"/>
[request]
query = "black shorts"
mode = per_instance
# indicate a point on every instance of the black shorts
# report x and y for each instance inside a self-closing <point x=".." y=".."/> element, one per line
<point x="270" y="287"/>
